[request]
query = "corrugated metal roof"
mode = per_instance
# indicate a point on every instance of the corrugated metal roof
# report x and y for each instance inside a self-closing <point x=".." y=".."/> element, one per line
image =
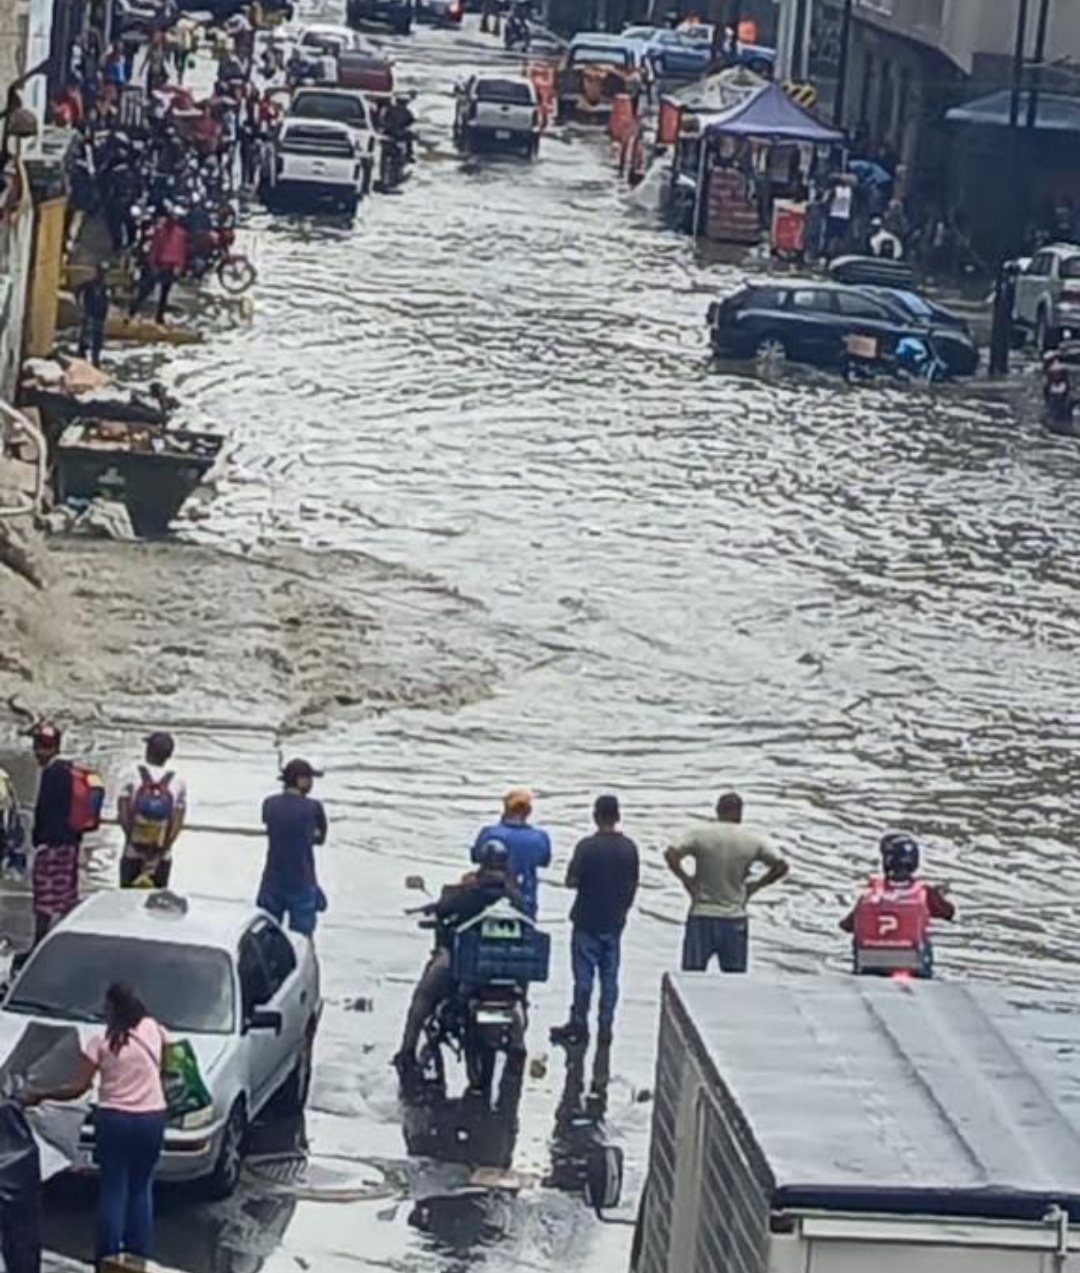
<point x="902" y="1095"/>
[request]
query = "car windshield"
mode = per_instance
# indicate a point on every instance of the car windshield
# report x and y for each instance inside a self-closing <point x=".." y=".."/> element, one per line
<point x="516" y="91"/>
<point x="337" y="106"/>
<point x="588" y="56"/>
<point x="913" y="303"/>
<point x="189" y="989"/>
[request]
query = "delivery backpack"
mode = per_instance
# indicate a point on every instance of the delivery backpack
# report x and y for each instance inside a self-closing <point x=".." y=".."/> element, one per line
<point x="87" y="800"/>
<point x="892" y="929"/>
<point x="152" y="808"/>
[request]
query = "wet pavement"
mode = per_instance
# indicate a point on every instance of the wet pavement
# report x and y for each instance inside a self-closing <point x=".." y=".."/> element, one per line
<point x="857" y="606"/>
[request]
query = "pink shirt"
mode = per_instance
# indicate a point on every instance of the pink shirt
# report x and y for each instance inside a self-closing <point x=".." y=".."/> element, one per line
<point x="130" y="1080"/>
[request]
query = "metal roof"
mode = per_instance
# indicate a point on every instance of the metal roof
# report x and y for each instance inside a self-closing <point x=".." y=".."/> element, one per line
<point x="869" y="1093"/>
<point x="1056" y="114"/>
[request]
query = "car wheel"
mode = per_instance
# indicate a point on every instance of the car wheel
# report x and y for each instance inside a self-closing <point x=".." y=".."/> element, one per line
<point x="222" y="1181"/>
<point x="771" y="350"/>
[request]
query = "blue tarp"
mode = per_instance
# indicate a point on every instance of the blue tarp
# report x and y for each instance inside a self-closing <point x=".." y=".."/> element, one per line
<point x="1056" y="114"/>
<point x="771" y="115"/>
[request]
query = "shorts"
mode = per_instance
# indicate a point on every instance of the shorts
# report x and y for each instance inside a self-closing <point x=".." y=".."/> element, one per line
<point x="302" y="906"/>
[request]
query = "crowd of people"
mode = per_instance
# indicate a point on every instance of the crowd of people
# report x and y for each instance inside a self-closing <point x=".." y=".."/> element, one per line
<point x="160" y="166"/>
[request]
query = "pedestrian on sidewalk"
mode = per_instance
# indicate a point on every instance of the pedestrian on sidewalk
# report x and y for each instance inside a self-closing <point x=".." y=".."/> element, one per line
<point x="604" y="871"/>
<point x="151" y="810"/>
<point x="54" y="876"/>
<point x="129" y="1121"/>
<point x="166" y="260"/>
<point x="724" y="853"/>
<point x="94" y="299"/>
<point x="295" y="824"/>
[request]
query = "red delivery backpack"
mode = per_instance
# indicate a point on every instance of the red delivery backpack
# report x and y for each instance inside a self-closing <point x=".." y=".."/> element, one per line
<point x="892" y="927"/>
<point x="87" y="800"/>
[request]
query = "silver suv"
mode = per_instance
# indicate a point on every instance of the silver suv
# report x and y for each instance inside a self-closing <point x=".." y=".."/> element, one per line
<point x="1048" y="295"/>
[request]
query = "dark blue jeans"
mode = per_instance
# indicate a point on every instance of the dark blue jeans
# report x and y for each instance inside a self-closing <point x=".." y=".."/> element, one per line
<point x="301" y="906"/>
<point x="727" y="939"/>
<point x="128" y="1149"/>
<point x="594" y="953"/>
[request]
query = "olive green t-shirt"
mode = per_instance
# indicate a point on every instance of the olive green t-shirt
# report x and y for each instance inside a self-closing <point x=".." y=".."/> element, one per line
<point x="723" y="854"/>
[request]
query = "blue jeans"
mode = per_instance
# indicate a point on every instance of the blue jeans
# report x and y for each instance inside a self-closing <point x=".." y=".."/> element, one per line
<point x="593" y="953"/>
<point x="727" y="939"/>
<point x="302" y="907"/>
<point x="128" y="1148"/>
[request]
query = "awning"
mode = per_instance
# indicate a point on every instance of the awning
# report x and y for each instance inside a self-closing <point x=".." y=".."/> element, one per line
<point x="1056" y="114"/>
<point x="769" y="114"/>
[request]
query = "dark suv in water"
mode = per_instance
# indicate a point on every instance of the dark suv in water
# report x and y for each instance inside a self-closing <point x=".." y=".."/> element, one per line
<point x="811" y="321"/>
<point x="396" y="14"/>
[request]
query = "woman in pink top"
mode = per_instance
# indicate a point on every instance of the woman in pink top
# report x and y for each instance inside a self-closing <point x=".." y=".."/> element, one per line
<point x="130" y="1119"/>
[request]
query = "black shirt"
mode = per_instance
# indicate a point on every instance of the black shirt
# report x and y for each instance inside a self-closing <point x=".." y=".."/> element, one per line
<point x="53" y="807"/>
<point x="462" y="902"/>
<point x="604" y="870"/>
<point x="294" y="825"/>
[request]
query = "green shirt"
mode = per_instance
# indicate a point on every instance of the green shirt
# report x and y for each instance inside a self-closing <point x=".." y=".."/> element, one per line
<point x="723" y="854"/>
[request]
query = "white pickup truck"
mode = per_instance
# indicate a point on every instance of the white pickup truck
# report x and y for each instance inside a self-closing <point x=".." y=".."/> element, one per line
<point x="313" y="162"/>
<point x="854" y="1124"/>
<point x="497" y="113"/>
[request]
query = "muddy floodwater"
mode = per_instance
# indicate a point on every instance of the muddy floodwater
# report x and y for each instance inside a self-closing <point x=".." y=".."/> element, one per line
<point x="616" y="567"/>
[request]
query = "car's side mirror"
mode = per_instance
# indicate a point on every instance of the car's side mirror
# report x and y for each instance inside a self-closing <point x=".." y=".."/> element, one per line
<point x="263" y="1019"/>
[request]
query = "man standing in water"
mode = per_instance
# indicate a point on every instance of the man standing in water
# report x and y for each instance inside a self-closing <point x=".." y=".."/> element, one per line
<point x="295" y="824"/>
<point x="604" y="871"/>
<point x="529" y="847"/>
<point x="723" y="853"/>
<point x="55" y="871"/>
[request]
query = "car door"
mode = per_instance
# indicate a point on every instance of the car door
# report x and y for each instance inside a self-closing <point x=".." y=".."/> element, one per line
<point x="288" y="994"/>
<point x="863" y="317"/>
<point x="814" y="325"/>
<point x="260" y="1047"/>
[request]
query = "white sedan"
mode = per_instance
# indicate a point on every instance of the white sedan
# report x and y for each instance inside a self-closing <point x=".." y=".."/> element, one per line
<point x="220" y="974"/>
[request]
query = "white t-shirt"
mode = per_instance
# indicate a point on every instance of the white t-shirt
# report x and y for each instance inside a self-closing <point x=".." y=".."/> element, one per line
<point x="177" y="787"/>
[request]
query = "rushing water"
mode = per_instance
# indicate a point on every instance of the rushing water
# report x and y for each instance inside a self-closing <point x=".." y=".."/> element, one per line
<point x="858" y="607"/>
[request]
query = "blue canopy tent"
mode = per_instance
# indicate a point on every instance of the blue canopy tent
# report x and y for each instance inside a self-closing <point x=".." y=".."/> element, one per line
<point x="767" y="115"/>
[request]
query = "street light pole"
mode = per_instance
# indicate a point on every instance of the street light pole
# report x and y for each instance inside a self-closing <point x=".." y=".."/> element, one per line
<point x="839" y="101"/>
<point x="1018" y="63"/>
<point x="1040" y="57"/>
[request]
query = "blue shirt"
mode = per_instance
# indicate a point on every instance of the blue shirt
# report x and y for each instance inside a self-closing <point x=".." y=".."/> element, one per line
<point x="529" y="849"/>
<point x="294" y="825"/>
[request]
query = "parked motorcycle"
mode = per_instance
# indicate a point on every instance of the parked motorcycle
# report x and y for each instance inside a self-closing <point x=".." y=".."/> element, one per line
<point x="493" y="959"/>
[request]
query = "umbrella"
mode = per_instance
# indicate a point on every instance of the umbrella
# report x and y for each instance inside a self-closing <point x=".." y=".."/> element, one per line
<point x="869" y="172"/>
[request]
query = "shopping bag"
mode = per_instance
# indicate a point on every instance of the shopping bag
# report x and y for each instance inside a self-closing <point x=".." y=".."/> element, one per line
<point x="185" y="1091"/>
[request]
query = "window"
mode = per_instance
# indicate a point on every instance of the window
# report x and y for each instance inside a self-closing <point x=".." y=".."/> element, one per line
<point x="514" y="92"/>
<point x="853" y="306"/>
<point x="255" y="989"/>
<point x="812" y="299"/>
<point x="342" y="107"/>
<point x="766" y="297"/>
<point x="1070" y="267"/>
<point x="186" y="988"/>
<point x="1042" y="266"/>
<point x="277" y="955"/>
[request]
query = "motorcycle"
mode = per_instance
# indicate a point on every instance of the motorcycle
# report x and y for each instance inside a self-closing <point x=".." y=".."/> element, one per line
<point x="213" y="252"/>
<point x="394" y="154"/>
<point x="494" y="957"/>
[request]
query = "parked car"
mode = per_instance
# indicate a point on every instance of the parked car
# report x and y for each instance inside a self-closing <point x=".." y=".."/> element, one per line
<point x="222" y="975"/>
<point x="342" y="106"/>
<point x="1048" y="295"/>
<point x="595" y="69"/>
<point x="683" y="53"/>
<point x="314" y="162"/>
<point x="810" y="321"/>
<point x="499" y="113"/>
<point x="395" y="14"/>
<point x="440" y="13"/>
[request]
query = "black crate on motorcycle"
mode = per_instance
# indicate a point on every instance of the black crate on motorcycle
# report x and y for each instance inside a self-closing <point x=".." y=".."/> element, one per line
<point x="500" y="948"/>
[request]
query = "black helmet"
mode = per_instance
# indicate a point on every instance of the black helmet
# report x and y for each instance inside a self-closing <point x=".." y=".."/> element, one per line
<point x="899" y="855"/>
<point x="494" y="856"/>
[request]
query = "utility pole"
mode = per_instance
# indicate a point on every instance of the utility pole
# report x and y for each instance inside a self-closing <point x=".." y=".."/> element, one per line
<point x="800" y="59"/>
<point x="1018" y="63"/>
<point x="840" y="99"/>
<point x="1040" y="57"/>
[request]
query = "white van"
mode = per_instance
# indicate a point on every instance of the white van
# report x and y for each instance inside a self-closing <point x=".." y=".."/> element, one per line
<point x="313" y="162"/>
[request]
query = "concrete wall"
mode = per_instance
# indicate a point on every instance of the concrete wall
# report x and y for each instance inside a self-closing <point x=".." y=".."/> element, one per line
<point x="16" y="226"/>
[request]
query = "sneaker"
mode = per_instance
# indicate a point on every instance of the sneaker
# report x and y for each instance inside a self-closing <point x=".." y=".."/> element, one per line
<point x="569" y="1035"/>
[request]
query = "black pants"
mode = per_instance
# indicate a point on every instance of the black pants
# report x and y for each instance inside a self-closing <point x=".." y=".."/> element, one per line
<point x="91" y="338"/>
<point x="148" y="280"/>
<point x="132" y="868"/>
<point x="122" y="228"/>
<point x="434" y="985"/>
<point x="706" y="936"/>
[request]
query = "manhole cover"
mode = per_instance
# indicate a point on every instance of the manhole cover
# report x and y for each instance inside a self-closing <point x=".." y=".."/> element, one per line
<point x="321" y="1180"/>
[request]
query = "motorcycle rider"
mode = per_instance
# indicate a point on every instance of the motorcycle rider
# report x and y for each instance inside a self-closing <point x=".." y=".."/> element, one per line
<point x="458" y="904"/>
<point x="890" y="922"/>
<point x="398" y="122"/>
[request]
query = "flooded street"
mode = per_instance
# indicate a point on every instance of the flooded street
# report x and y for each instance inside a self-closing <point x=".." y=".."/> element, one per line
<point x="634" y="571"/>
